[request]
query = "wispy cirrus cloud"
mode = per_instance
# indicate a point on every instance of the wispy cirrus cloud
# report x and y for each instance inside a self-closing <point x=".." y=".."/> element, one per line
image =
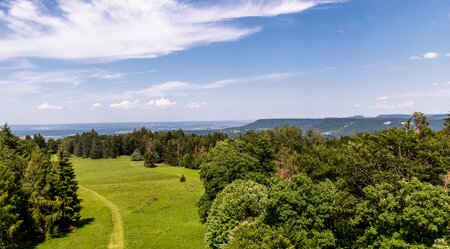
<point x="18" y="64"/>
<point x="161" y="103"/>
<point x="401" y="105"/>
<point x="120" y="29"/>
<point x="163" y="89"/>
<point x="19" y="82"/>
<point x="195" y="105"/>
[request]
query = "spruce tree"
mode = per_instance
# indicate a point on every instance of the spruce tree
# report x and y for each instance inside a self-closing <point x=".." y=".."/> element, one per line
<point x="67" y="187"/>
<point x="39" y="186"/>
<point x="10" y="208"/>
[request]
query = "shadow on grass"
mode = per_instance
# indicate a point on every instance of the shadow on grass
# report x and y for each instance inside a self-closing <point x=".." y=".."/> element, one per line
<point x="82" y="223"/>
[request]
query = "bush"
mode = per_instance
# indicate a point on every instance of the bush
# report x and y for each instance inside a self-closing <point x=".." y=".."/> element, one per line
<point x="182" y="178"/>
<point x="137" y="156"/>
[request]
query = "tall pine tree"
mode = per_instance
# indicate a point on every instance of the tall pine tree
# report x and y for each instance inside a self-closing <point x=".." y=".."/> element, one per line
<point x="10" y="208"/>
<point x="67" y="188"/>
<point x="39" y="186"/>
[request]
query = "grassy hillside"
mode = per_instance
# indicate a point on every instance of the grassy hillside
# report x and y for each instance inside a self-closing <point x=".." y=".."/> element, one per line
<point x="154" y="209"/>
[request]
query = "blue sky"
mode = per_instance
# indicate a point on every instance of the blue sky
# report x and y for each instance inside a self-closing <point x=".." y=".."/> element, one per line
<point x="176" y="60"/>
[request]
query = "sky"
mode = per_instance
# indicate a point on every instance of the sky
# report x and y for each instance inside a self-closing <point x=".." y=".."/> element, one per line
<point x="90" y="61"/>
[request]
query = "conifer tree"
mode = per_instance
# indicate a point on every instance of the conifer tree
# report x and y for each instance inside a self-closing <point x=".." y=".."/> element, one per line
<point x="67" y="187"/>
<point x="10" y="202"/>
<point x="44" y="206"/>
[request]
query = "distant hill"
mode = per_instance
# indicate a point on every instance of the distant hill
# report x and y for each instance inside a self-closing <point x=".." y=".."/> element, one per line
<point x="337" y="127"/>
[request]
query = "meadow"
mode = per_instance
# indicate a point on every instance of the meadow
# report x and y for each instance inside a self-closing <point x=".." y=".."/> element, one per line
<point x="126" y="205"/>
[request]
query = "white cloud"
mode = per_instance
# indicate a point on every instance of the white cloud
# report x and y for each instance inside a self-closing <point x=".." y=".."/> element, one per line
<point x="383" y="98"/>
<point x="118" y="29"/>
<point x="95" y="106"/>
<point x="357" y="105"/>
<point x="414" y="57"/>
<point x="430" y="55"/>
<point x="447" y="54"/>
<point x="159" y="103"/>
<point x="47" y="106"/>
<point x="164" y="103"/>
<point x="125" y="105"/>
<point x="195" y="105"/>
<point x="404" y="104"/>
<point x="163" y="89"/>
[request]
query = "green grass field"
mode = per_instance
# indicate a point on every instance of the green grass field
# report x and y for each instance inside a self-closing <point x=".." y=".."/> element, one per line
<point x="151" y="208"/>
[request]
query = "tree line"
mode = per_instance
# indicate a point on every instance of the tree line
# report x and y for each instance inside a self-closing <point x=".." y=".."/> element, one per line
<point x="175" y="148"/>
<point x="38" y="191"/>
<point x="286" y="188"/>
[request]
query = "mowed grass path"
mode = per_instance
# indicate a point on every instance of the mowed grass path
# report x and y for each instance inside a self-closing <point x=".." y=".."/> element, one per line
<point x="156" y="209"/>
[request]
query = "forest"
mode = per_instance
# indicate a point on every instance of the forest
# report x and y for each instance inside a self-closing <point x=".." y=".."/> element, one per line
<point x="279" y="188"/>
<point x="285" y="188"/>
<point x="38" y="192"/>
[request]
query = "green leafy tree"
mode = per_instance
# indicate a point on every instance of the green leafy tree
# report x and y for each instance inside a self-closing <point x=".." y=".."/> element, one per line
<point x="224" y="164"/>
<point x="412" y="215"/>
<point x="256" y="235"/>
<point x="309" y="213"/>
<point x="239" y="201"/>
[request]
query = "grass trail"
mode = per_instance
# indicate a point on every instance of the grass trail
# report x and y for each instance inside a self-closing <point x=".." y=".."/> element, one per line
<point x="128" y="206"/>
<point x="116" y="240"/>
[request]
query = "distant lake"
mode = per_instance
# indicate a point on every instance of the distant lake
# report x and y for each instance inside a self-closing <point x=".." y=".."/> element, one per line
<point x="64" y="130"/>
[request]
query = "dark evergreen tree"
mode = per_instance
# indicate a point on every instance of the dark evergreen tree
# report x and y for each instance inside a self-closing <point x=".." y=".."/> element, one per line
<point x="96" y="149"/>
<point x="67" y="187"/>
<point x="39" y="140"/>
<point x="11" y="219"/>
<point x="40" y="188"/>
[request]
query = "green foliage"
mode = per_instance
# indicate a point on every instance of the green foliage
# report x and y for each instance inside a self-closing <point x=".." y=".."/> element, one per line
<point x="38" y="198"/>
<point x="224" y="164"/>
<point x="10" y="212"/>
<point x="392" y="155"/>
<point x="255" y="235"/>
<point x="414" y="214"/>
<point x="137" y="156"/>
<point x="239" y="201"/>
<point x="39" y="186"/>
<point x="447" y="124"/>
<point x="67" y="188"/>
<point x="308" y="212"/>
<point x="156" y="147"/>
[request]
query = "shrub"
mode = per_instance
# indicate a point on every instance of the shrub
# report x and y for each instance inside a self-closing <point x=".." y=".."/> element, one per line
<point x="137" y="156"/>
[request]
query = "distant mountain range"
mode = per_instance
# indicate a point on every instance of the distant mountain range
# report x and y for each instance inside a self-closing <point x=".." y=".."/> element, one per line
<point x="336" y="127"/>
<point x="332" y="127"/>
